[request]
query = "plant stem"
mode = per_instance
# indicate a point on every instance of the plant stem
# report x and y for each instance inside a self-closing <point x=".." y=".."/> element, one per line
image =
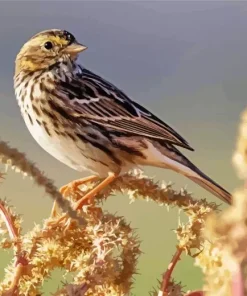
<point x="238" y="283"/>
<point x="8" y="221"/>
<point x="167" y="275"/>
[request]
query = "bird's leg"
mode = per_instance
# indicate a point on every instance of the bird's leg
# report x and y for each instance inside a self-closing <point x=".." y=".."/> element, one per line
<point x="87" y="198"/>
<point x="91" y="194"/>
<point x="73" y="185"/>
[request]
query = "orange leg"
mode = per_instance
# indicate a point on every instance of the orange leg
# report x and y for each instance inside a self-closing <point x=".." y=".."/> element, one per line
<point x="88" y="198"/>
<point x="73" y="185"/>
<point x="91" y="194"/>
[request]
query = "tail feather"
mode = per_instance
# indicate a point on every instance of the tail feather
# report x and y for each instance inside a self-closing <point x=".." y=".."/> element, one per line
<point x="211" y="186"/>
<point x="172" y="158"/>
<point x="189" y="170"/>
<point x="169" y="157"/>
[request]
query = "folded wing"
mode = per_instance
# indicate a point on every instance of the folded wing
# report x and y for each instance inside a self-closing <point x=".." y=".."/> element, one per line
<point x="98" y="101"/>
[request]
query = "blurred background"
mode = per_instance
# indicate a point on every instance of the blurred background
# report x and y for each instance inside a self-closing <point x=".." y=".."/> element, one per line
<point x="185" y="61"/>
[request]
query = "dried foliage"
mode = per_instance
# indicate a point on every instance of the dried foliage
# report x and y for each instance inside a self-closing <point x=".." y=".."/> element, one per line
<point x="224" y="260"/>
<point x="101" y="250"/>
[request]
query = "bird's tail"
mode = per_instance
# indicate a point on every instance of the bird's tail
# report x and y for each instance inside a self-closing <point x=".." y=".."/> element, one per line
<point x="207" y="183"/>
<point x="175" y="160"/>
<point x="188" y="169"/>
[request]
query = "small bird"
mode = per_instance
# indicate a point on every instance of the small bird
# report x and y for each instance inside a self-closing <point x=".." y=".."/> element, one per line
<point x="88" y="123"/>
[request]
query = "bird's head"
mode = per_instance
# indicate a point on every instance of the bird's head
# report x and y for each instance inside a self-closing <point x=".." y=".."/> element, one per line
<point x="47" y="48"/>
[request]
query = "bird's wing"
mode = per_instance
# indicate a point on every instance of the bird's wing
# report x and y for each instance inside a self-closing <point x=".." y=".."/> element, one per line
<point x="100" y="102"/>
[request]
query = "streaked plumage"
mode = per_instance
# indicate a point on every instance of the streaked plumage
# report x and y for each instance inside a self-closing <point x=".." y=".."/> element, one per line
<point x="86" y="122"/>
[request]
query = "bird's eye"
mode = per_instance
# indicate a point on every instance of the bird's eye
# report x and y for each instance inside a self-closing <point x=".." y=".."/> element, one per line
<point x="48" y="45"/>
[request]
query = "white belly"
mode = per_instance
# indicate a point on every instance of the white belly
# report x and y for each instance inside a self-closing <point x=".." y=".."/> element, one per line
<point x="77" y="155"/>
<point x="60" y="148"/>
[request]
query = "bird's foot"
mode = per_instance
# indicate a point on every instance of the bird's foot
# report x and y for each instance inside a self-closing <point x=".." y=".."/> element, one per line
<point x="53" y="222"/>
<point x="85" y="203"/>
<point x="71" y="187"/>
<point x="88" y="198"/>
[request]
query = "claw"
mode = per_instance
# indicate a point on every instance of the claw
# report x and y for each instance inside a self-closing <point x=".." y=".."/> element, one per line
<point x="71" y="187"/>
<point x="88" y="198"/>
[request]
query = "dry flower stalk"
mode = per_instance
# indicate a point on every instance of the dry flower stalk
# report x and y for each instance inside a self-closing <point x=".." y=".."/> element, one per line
<point x="164" y="291"/>
<point x="102" y="250"/>
<point x="240" y="155"/>
<point x="18" y="161"/>
<point x="89" y="250"/>
<point x="224" y="259"/>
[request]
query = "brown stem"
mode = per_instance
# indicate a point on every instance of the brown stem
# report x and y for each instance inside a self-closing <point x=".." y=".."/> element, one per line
<point x="21" y="261"/>
<point x="16" y="277"/>
<point x="167" y="275"/>
<point x="238" y="283"/>
<point x="8" y="221"/>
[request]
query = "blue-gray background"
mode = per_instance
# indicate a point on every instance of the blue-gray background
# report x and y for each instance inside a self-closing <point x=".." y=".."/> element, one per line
<point x="186" y="61"/>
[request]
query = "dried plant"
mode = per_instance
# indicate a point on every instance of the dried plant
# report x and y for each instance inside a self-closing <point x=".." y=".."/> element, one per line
<point x="101" y="250"/>
<point x="224" y="260"/>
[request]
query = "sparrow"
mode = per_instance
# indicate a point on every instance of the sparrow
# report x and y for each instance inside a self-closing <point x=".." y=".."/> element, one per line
<point x="88" y="123"/>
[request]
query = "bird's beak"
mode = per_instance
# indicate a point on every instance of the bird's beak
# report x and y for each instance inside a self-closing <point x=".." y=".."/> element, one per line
<point x="75" y="48"/>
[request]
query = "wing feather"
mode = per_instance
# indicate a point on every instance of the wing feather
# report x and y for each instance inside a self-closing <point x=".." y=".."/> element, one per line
<point x="100" y="102"/>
